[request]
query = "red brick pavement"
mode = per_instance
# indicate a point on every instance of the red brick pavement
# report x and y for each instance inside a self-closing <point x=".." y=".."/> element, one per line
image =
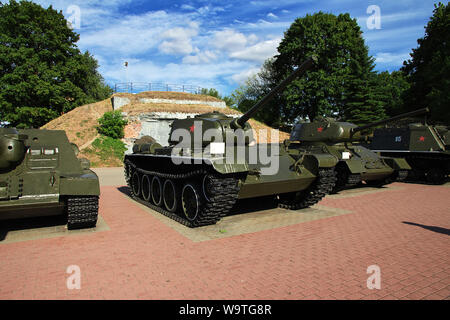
<point x="142" y="258"/>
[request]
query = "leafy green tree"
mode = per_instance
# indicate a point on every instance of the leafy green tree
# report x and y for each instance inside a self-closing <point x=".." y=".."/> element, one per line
<point x="391" y="89"/>
<point x="429" y="67"/>
<point x="112" y="124"/>
<point x="229" y="101"/>
<point x="210" y="92"/>
<point x="255" y="88"/>
<point x="342" y="82"/>
<point x="42" y="72"/>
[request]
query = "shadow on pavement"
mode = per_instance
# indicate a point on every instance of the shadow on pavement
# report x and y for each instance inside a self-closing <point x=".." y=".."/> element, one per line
<point x="431" y="228"/>
<point x="30" y="223"/>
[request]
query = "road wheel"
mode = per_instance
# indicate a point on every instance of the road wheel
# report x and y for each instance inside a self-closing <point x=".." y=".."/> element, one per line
<point x="207" y="187"/>
<point x="146" y="187"/>
<point x="190" y="201"/>
<point x="136" y="184"/>
<point x="170" y="195"/>
<point x="156" y="191"/>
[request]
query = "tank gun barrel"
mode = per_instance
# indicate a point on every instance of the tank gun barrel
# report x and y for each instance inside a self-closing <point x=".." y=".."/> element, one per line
<point x="306" y="65"/>
<point x="400" y="116"/>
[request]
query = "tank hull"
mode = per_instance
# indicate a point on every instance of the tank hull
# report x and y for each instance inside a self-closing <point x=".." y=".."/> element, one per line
<point x="357" y="163"/>
<point x="423" y="147"/>
<point x="233" y="180"/>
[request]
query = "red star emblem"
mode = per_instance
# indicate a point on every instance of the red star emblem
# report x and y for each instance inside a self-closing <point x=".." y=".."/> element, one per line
<point x="422" y="138"/>
<point x="319" y="129"/>
<point x="191" y="129"/>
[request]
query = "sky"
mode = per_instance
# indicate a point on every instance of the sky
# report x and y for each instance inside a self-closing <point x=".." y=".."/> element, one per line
<point x="219" y="44"/>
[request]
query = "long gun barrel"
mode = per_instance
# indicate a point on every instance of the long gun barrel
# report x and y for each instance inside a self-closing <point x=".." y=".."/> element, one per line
<point x="400" y="116"/>
<point x="306" y="65"/>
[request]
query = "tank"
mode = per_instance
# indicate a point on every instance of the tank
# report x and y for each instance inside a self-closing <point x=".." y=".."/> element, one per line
<point x="40" y="175"/>
<point x="426" y="148"/>
<point x="197" y="179"/>
<point x="344" y="140"/>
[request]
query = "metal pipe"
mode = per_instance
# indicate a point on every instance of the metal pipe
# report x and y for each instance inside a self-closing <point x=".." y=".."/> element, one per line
<point x="400" y="116"/>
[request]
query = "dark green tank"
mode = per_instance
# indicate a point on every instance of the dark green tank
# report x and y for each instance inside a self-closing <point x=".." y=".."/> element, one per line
<point x="40" y="175"/>
<point x="426" y="148"/>
<point x="197" y="179"/>
<point x="356" y="162"/>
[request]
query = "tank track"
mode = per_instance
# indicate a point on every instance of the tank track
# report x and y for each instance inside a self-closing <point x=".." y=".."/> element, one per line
<point x="352" y="180"/>
<point x="322" y="186"/>
<point x="82" y="212"/>
<point x="223" y="195"/>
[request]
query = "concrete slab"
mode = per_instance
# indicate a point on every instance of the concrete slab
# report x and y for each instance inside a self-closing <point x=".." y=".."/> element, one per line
<point x="110" y="176"/>
<point x="42" y="228"/>
<point x="242" y="222"/>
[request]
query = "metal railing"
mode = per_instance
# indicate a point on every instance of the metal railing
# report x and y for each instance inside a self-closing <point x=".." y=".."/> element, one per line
<point x="136" y="87"/>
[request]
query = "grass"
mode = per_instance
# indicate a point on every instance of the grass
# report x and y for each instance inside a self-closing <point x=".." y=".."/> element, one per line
<point x="105" y="150"/>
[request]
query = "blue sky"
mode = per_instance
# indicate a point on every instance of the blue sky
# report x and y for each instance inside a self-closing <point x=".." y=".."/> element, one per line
<point x="220" y="43"/>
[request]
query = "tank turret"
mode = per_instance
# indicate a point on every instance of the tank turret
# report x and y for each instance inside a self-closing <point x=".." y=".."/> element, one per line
<point x="330" y="130"/>
<point x="12" y="148"/>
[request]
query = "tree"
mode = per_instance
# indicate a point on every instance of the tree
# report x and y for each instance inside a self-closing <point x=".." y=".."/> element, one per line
<point x="254" y="89"/>
<point x="429" y="67"/>
<point x="341" y="84"/>
<point x="391" y="89"/>
<point x="42" y="72"/>
<point x="210" y="92"/>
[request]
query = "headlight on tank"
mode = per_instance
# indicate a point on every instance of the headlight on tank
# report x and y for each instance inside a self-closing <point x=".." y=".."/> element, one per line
<point x="346" y="155"/>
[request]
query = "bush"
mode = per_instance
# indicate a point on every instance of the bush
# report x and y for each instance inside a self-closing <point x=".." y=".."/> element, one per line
<point x="112" y="124"/>
<point x="107" y="147"/>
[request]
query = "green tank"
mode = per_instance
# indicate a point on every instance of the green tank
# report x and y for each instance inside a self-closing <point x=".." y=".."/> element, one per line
<point x="426" y="148"/>
<point x="344" y="140"/>
<point x="212" y="161"/>
<point x="40" y="175"/>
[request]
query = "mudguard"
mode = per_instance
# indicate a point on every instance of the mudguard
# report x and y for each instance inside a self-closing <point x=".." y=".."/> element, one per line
<point x="397" y="163"/>
<point x="84" y="184"/>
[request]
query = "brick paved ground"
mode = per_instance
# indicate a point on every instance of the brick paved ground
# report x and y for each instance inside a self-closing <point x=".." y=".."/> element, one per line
<point x="404" y="230"/>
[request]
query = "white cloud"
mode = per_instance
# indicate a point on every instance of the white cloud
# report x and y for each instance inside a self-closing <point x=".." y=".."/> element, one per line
<point x="187" y="7"/>
<point x="178" y="40"/>
<point x="391" y="58"/>
<point x="241" y="77"/>
<point x="201" y="57"/>
<point x="229" y="40"/>
<point x="271" y="15"/>
<point x="258" y="52"/>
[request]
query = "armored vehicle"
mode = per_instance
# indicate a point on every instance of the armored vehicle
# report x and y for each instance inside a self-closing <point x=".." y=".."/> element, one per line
<point x="197" y="179"/>
<point x="356" y="162"/>
<point x="426" y="148"/>
<point x="40" y="175"/>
